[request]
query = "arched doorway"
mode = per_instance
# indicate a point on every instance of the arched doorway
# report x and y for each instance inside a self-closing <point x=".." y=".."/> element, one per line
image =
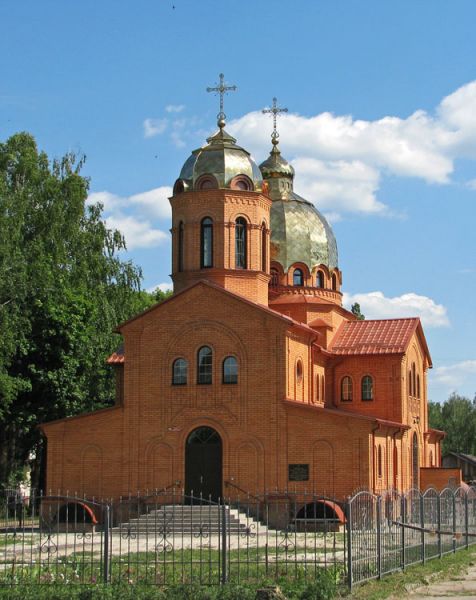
<point x="415" y="463"/>
<point x="203" y="463"/>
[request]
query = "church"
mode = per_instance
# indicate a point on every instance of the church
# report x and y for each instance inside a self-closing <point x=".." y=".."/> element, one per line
<point x="252" y="376"/>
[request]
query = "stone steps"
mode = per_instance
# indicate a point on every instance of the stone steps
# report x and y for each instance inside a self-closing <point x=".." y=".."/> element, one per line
<point x="187" y="520"/>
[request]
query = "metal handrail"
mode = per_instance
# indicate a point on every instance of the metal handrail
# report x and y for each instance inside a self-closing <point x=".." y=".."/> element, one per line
<point x="237" y="487"/>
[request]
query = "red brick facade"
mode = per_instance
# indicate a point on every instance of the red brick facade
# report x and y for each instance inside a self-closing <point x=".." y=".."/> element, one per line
<point x="314" y="387"/>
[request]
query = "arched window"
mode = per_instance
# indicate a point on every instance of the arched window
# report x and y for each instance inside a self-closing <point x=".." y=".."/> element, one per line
<point x="206" y="243"/>
<point x="418" y="386"/>
<point x="320" y="279"/>
<point x="179" y="371"/>
<point x="204" y="365"/>
<point x="230" y="370"/>
<point x="298" y="277"/>
<point x="334" y="281"/>
<point x="415" y="462"/>
<point x="323" y="388"/>
<point x="410" y="386"/>
<point x="317" y="388"/>
<point x="241" y="182"/>
<point x="346" y="391"/>
<point x="274" y="281"/>
<point x="367" y="388"/>
<point x="431" y="459"/>
<point x="264" y="245"/>
<point x="379" y="461"/>
<point x="240" y="243"/>
<point x="206" y="182"/>
<point x="413" y="379"/>
<point x="299" y="371"/>
<point x="180" y="246"/>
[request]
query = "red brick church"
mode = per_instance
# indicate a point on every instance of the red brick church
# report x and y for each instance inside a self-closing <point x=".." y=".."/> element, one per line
<point x="253" y="376"/>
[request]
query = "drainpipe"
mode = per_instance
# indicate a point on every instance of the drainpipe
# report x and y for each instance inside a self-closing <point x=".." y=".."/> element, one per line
<point x="374" y="470"/>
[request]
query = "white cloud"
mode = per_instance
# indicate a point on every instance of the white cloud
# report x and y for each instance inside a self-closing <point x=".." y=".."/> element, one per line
<point x="454" y="376"/>
<point x="154" y="203"/>
<point x="471" y="184"/>
<point x="375" y="305"/>
<point x="139" y="233"/>
<point x="174" y="108"/>
<point x="345" y="158"/>
<point x="167" y="286"/>
<point x="137" y="230"/>
<point x="339" y="185"/>
<point x="153" y="127"/>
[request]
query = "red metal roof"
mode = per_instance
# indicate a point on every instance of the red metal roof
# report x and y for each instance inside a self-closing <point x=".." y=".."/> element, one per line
<point x="116" y="357"/>
<point x="388" y="336"/>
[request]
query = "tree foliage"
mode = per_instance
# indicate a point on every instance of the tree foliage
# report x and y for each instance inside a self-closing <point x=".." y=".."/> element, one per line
<point x="63" y="288"/>
<point x="457" y="417"/>
<point x="355" y="309"/>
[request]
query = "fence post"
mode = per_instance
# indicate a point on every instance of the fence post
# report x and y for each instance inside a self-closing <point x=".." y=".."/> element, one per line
<point x="403" y="518"/>
<point x="454" y="521"/>
<point x="106" y="545"/>
<point x="438" y="512"/>
<point x="349" y="542"/>
<point x="422" y="523"/>
<point x="466" y="519"/>
<point x="224" y="573"/>
<point x="379" y="537"/>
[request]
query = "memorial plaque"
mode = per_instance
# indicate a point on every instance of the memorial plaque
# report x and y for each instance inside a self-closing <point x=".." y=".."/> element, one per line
<point x="298" y="472"/>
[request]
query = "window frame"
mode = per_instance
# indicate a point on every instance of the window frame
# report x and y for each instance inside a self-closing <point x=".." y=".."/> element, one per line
<point x="224" y="375"/>
<point x="204" y="372"/>
<point x="301" y="272"/>
<point x="350" y="387"/>
<point x="181" y="246"/>
<point x="241" y="239"/>
<point x="206" y="231"/>
<point x="362" y="388"/>
<point x="174" y="375"/>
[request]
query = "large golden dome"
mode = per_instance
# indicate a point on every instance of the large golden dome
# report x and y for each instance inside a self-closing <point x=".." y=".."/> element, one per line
<point x="299" y="232"/>
<point x="221" y="163"/>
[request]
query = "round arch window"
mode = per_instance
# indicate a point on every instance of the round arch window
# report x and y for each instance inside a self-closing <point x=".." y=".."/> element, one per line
<point x="241" y="182"/>
<point x="298" y="277"/>
<point x="206" y="182"/>
<point x="299" y="371"/>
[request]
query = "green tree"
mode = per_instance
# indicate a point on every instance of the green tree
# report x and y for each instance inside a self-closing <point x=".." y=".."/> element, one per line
<point x="63" y="289"/>
<point x="457" y="417"/>
<point x="355" y="309"/>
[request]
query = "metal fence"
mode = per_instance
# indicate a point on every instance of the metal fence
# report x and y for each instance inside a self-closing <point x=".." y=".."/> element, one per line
<point x="169" y="537"/>
<point x="387" y="533"/>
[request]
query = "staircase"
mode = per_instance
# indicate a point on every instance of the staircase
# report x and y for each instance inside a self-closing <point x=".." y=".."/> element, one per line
<point x="192" y="520"/>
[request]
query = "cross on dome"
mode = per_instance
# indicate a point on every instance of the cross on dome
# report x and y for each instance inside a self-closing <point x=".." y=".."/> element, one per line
<point x="222" y="89"/>
<point x="275" y="111"/>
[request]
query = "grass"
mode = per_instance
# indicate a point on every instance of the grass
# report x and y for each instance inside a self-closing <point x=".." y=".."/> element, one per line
<point x="398" y="584"/>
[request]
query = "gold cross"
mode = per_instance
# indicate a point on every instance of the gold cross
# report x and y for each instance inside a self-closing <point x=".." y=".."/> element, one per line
<point x="275" y="112"/>
<point x="222" y="89"/>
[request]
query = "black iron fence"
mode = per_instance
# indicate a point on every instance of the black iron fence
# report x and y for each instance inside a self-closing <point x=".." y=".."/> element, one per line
<point x="169" y="537"/>
<point x="387" y="533"/>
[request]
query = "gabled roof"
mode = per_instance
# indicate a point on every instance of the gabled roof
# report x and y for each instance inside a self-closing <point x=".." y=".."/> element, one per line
<point x="339" y="412"/>
<point x="468" y="458"/>
<point x="118" y="357"/>
<point x="385" y="336"/>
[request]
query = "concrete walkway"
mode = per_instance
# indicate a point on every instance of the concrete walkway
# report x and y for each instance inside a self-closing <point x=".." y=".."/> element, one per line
<point x="459" y="586"/>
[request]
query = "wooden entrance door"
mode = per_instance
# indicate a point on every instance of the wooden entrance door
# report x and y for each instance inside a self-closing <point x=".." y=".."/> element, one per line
<point x="203" y="464"/>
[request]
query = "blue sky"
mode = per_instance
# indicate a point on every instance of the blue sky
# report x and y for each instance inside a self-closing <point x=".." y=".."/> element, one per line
<point x="381" y="129"/>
